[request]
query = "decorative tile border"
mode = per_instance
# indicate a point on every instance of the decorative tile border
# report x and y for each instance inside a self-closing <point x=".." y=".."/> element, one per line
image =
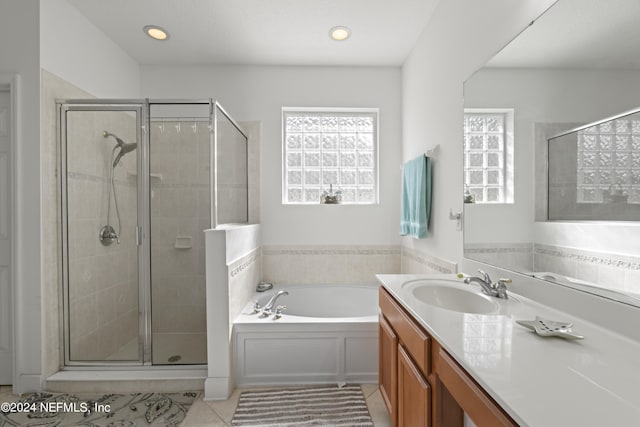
<point x="243" y="263"/>
<point x="590" y="257"/>
<point x="79" y="176"/>
<point x="177" y="185"/>
<point x="232" y="186"/>
<point x="331" y="250"/>
<point x="494" y="248"/>
<point x="431" y="262"/>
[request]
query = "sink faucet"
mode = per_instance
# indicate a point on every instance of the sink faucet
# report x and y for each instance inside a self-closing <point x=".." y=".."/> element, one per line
<point x="267" y="310"/>
<point x="498" y="289"/>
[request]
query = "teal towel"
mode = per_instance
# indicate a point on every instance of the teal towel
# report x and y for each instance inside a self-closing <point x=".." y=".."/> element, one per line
<point x="416" y="197"/>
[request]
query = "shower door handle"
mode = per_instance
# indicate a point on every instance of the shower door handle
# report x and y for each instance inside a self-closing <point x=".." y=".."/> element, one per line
<point x="138" y="235"/>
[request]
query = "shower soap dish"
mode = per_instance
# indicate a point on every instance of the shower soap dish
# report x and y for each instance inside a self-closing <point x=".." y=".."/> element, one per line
<point x="264" y="286"/>
<point x="550" y="328"/>
<point x="183" y="242"/>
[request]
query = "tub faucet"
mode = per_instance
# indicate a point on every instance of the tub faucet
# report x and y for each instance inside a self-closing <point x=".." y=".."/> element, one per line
<point x="267" y="310"/>
<point x="498" y="289"/>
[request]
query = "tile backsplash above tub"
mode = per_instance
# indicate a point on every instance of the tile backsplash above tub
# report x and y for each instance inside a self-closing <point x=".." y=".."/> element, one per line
<point x="415" y="261"/>
<point x="609" y="270"/>
<point x="312" y="264"/>
<point x="612" y="271"/>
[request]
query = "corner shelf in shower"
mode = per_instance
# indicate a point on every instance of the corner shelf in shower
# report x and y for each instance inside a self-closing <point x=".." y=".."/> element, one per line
<point x="153" y="176"/>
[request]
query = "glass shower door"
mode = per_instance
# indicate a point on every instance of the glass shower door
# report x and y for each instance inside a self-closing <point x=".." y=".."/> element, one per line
<point x="180" y="197"/>
<point x="100" y="221"/>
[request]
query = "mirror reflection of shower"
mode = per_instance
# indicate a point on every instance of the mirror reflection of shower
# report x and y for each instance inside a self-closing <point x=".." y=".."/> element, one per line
<point x="108" y="233"/>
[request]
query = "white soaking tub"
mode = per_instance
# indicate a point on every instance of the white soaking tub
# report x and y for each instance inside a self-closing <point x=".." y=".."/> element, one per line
<point x="328" y="334"/>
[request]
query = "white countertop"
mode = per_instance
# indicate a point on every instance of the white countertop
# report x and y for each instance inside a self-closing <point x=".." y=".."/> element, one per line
<point x="539" y="381"/>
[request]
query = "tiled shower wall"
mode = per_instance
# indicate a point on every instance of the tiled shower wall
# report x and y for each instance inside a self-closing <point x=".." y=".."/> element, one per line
<point x="180" y="211"/>
<point x="104" y="304"/>
<point x="103" y="282"/>
<point x="52" y="88"/>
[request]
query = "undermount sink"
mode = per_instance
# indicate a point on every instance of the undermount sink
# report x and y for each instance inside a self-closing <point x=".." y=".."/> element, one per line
<point x="451" y="295"/>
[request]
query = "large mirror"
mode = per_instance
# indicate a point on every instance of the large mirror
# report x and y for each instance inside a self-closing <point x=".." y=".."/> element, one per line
<point x="579" y="63"/>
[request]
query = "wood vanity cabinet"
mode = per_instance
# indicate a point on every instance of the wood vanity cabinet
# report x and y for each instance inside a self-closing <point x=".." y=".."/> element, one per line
<point x="421" y="384"/>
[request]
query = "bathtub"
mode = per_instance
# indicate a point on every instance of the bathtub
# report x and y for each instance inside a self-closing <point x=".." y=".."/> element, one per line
<point x="328" y="334"/>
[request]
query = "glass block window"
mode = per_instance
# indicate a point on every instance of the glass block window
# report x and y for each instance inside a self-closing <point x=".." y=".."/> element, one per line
<point x="608" y="163"/>
<point x="485" y="156"/>
<point x="323" y="147"/>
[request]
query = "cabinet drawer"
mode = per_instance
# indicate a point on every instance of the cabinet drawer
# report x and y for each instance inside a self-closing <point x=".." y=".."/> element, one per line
<point x="409" y="333"/>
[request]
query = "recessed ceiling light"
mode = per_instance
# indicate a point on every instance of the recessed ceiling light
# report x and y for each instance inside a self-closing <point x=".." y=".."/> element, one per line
<point x="339" y="33"/>
<point x="156" y="32"/>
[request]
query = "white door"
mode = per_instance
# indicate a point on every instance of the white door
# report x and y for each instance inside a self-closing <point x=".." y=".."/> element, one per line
<point x="6" y="353"/>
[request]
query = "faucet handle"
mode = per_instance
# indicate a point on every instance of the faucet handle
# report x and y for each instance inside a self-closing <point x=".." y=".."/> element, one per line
<point x="256" y="307"/>
<point x="279" y="310"/>
<point x="485" y="276"/>
<point x="501" y="288"/>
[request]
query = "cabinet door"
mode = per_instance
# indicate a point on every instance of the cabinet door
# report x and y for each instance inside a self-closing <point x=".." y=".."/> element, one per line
<point x="414" y="394"/>
<point x="387" y="366"/>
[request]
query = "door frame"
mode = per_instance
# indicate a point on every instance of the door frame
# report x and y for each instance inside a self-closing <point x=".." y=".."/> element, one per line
<point x="63" y="107"/>
<point x="11" y="82"/>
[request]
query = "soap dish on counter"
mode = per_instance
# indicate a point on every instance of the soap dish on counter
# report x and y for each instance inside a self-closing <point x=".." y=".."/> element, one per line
<point x="550" y="328"/>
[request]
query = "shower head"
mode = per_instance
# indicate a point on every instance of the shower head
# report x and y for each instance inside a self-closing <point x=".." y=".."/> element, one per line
<point x="123" y="146"/>
<point x="124" y="149"/>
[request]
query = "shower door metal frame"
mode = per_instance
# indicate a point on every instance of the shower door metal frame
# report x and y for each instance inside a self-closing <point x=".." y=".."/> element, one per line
<point x="216" y="109"/>
<point x="141" y="108"/>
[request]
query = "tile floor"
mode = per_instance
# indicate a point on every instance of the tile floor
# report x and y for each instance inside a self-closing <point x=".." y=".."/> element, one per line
<point x="219" y="413"/>
<point x="212" y="413"/>
<point x="6" y="395"/>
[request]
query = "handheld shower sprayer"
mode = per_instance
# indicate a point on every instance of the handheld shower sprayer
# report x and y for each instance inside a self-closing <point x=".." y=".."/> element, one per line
<point x="123" y="146"/>
<point x="108" y="233"/>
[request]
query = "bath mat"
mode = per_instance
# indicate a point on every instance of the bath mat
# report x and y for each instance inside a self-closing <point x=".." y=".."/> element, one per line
<point x="112" y="410"/>
<point x="310" y="406"/>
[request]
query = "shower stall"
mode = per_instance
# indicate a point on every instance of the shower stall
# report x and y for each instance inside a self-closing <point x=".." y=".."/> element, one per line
<point x="140" y="180"/>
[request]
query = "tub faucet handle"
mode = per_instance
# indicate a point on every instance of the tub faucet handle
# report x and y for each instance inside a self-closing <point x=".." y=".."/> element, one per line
<point x="279" y="310"/>
<point x="256" y="307"/>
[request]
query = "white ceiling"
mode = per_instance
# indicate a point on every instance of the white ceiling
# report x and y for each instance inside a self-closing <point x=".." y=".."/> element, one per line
<point x="579" y="34"/>
<point x="273" y="32"/>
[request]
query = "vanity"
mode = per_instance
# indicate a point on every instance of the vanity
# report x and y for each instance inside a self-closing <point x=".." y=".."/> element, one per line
<point x="552" y="200"/>
<point x="420" y="383"/>
<point x="446" y="356"/>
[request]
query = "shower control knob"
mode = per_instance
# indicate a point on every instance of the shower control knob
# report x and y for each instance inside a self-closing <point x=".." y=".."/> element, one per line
<point x="108" y="235"/>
